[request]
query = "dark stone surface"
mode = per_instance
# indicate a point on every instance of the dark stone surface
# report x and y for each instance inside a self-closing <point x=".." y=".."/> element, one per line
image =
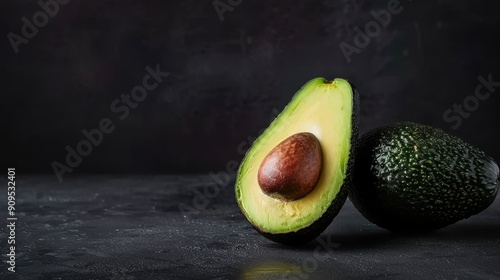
<point x="130" y="227"/>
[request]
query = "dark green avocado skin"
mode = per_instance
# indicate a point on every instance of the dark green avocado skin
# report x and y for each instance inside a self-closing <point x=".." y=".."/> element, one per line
<point x="316" y="228"/>
<point x="412" y="177"/>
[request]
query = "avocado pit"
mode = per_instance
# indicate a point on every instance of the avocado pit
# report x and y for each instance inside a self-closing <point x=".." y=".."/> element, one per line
<point x="292" y="169"/>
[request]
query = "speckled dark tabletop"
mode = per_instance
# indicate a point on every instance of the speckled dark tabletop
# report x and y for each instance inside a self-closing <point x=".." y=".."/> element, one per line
<point x="131" y="227"/>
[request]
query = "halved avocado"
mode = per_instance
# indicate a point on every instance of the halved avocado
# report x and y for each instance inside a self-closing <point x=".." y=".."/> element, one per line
<point x="329" y="111"/>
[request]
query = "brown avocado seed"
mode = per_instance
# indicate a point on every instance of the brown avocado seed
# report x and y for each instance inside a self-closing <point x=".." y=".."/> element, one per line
<point x="292" y="169"/>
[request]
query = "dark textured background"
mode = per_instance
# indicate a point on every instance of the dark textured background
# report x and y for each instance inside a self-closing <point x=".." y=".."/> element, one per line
<point x="227" y="77"/>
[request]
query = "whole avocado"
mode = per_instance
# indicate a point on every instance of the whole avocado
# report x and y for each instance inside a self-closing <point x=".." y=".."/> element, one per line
<point x="413" y="177"/>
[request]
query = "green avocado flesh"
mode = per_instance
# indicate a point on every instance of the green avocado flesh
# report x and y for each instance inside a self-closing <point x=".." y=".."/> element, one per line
<point x="412" y="177"/>
<point x="326" y="109"/>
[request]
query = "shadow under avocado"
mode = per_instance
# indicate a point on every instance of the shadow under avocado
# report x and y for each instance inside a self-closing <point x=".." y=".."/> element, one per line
<point x="470" y="232"/>
<point x="341" y="241"/>
<point x="377" y="237"/>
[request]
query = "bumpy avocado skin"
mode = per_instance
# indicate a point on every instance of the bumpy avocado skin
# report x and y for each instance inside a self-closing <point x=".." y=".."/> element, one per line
<point x="412" y="177"/>
<point x="317" y="227"/>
